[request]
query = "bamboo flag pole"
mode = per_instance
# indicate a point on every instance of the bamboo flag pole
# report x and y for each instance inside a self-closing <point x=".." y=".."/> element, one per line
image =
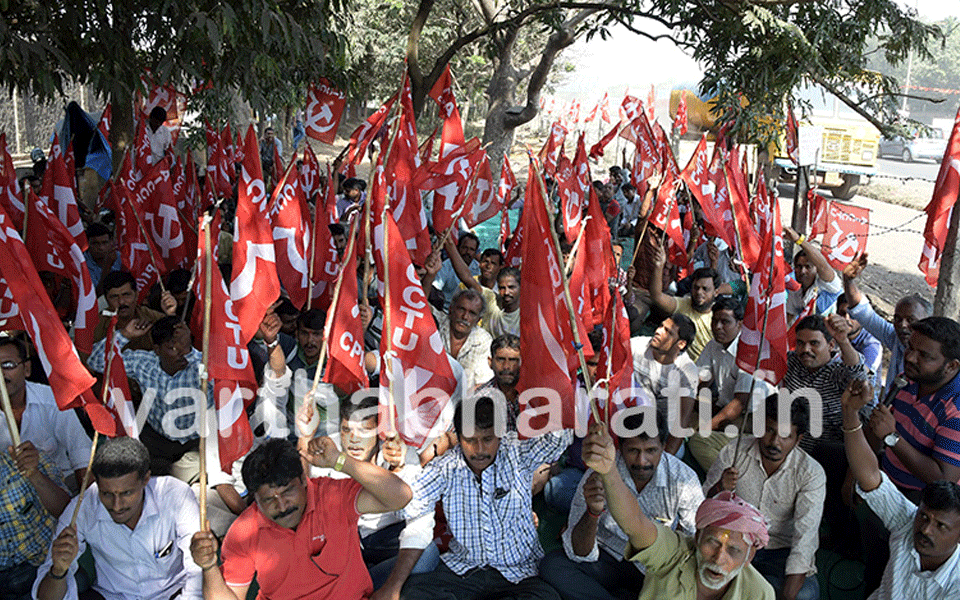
<point x="613" y="336"/>
<point x="8" y="411"/>
<point x="28" y="200"/>
<point x="576" y="245"/>
<point x="587" y="380"/>
<point x="328" y="326"/>
<point x="204" y="380"/>
<point x="388" y="355"/>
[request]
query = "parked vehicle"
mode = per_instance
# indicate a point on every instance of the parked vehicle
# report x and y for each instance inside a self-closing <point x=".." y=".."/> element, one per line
<point x="928" y="144"/>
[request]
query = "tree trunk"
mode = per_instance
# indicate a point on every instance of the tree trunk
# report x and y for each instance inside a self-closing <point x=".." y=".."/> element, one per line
<point x="121" y="124"/>
<point x="947" y="300"/>
<point x="501" y="96"/>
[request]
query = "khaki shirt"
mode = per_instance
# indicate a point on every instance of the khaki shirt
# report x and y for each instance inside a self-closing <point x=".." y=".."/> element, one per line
<point x="672" y="571"/>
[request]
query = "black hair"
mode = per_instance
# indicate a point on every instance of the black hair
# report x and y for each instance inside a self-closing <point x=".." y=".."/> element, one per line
<point x="483" y="415"/>
<point x="595" y="336"/>
<point x="509" y="272"/>
<point x="286" y="307"/>
<point x="814" y="323"/>
<point x="348" y="407"/>
<point x="97" y="230"/>
<point x="315" y="319"/>
<point x="842" y="299"/>
<point x="468" y="235"/>
<point x="337" y="229"/>
<point x="799" y="412"/>
<point x="116" y="457"/>
<point x="729" y="303"/>
<point x="686" y="330"/>
<point x="942" y="496"/>
<point x="943" y="330"/>
<point x="492" y="252"/>
<point x="164" y="329"/>
<point x="798" y="254"/>
<point x="276" y="463"/>
<point x="628" y="186"/>
<point x="354" y="183"/>
<point x="159" y="113"/>
<point x="18" y="344"/>
<point x="178" y="280"/>
<point x="706" y="273"/>
<point x="469" y="294"/>
<point x="115" y="279"/>
<point x="635" y="422"/>
<point x="507" y="340"/>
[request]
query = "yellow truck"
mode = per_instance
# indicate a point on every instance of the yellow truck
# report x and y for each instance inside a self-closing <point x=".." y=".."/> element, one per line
<point x="848" y="146"/>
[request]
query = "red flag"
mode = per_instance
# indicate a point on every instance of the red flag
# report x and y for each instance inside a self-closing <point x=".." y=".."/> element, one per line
<point x="592" y="114"/>
<point x="680" y="122"/>
<point x="228" y="358"/>
<point x="59" y="193"/>
<point x="402" y="163"/>
<point x="749" y="242"/>
<point x="846" y="237"/>
<point x="345" y="365"/>
<point x="483" y="203"/>
<point x="442" y="94"/>
<point x="57" y="251"/>
<point x="142" y="151"/>
<point x="290" y="218"/>
<point x="548" y="154"/>
<point x="450" y="177"/>
<point x="28" y="299"/>
<point x="596" y="151"/>
<point x="941" y="204"/>
<point x="11" y="197"/>
<point x="605" y="108"/>
<point x="326" y="263"/>
<point x="229" y="150"/>
<point x="818" y="213"/>
<point x="414" y="358"/>
<point x="277" y="164"/>
<point x="138" y="255"/>
<point x="104" y="124"/>
<point x="254" y="285"/>
<point x="808" y="309"/>
<point x="324" y="110"/>
<point x="574" y="185"/>
<point x="651" y="103"/>
<point x="793" y="144"/>
<point x="630" y="108"/>
<point x="119" y="398"/>
<point x="666" y="214"/>
<point x="310" y="173"/>
<point x="599" y="259"/>
<point x="367" y="132"/>
<point x="508" y="181"/>
<point x="504" y="230"/>
<point x="218" y="165"/>
<point x="544" y="324"/>
<point x="763" y="336"/>
<point x="154" y="198"/>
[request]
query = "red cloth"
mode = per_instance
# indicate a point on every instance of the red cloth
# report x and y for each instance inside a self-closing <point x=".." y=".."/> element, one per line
<point x="321" y="559"/>
<point x="726" y="511"/>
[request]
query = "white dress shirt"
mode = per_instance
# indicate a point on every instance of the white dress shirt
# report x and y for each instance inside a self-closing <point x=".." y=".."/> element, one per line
<point x="56" y="433"/>
<point x="902" y="578"/>
<point x="150" y="562"/>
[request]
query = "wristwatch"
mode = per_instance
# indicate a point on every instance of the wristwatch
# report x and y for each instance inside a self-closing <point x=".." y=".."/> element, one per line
<point x="891" y="440"/>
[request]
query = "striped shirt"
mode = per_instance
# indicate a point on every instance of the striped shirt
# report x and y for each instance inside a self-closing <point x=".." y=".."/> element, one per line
<point x="829" y="381"/>
<point x="902" y="578"/>
<point x="173" y="412"/>
<point x="670" y="498"/>
<point x="931" y="424"/>
<point x="26" y="527"/>
<point x="490" y="516"/>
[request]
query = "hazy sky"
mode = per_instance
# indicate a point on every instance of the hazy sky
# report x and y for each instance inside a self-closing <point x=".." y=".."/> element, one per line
<point x="629" y="60"/>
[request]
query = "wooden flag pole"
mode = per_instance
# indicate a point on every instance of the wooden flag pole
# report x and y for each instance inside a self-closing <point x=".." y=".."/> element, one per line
<point x="613" y="334"/>
<point x="28" y="200"/>
<point x="388" y="355"/>
<point x="576" y="245"/>
<point x="8" y="411"/>
<point x="365" y="284"/>
<point x="205" y="380"/>
<point x="88" y="475"/>
<point x="587" y="380"/>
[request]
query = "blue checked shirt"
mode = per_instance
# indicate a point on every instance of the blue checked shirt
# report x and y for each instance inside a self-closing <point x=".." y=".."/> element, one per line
<point x="26" y="527"/>
<point x="173" y="411"/>
<point x="490" y="517"/>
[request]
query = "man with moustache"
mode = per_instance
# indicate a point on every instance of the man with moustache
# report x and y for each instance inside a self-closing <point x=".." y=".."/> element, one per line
<point x="137" y="526"/>
<point x="119" y="288"/>
<point x="697" y="307"/>
<point x="895" y="336"/>
<point x="505" y="363"/>
<point x="463" y="339"/>
<point x="788" y="487"/>
<point x="591" y="565"/>
<point x="712" y="564"/>
<point x="484" y="484"/>
<point x="502" y="313"/>
<point x="299" y="538"/>
<point x="925" y="539"/>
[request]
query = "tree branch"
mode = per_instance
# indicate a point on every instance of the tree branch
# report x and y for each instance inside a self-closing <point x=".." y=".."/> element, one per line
<point x="854" y="106"/>
<point x="413" y="42"/>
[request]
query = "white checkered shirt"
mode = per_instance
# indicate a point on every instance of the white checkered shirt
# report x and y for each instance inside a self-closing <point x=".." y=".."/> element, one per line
<point x="490" y="517"/>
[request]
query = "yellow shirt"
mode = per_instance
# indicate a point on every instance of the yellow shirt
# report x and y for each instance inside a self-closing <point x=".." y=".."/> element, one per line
<point x="701" y="321"/>
<point x="672" y="571"/>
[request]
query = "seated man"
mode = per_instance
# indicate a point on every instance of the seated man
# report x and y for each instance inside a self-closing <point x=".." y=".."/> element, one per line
<point x="863" y="342"/>
<point x="925" y="539"/>
<point x="502" y="314"/>
<point x="818" y="281"/>
<point x="300" y="536"/>
<point x="715" y="563"/>
<point x="591" y="565"/>
<point x="484" y="484"/>
<point x="119" y="288"/>
<point x="31" y="504"/>
<point x="789" y="488"/>
<point x="464" y="339"/>
<point x="137" y="526"/>
<point x="447" y="280"/>
<point x="55" y="433"/>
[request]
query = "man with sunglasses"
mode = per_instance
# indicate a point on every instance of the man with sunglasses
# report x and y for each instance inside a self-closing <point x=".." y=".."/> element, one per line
<point x="56" y="434"/>
<point x="300" y="536"/>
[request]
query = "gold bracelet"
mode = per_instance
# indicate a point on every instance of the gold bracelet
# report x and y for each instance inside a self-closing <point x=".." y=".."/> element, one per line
<point x="801" y="240"/>
<point x="854" y="430"/>
<point x="340" y="462"/>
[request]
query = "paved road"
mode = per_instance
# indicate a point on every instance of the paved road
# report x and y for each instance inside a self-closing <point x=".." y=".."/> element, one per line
<point x="927" y="169"/>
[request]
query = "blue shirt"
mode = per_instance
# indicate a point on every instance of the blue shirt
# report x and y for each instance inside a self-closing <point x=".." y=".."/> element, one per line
<point x="95" y="271"/>
<point x="883" y="330"/>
